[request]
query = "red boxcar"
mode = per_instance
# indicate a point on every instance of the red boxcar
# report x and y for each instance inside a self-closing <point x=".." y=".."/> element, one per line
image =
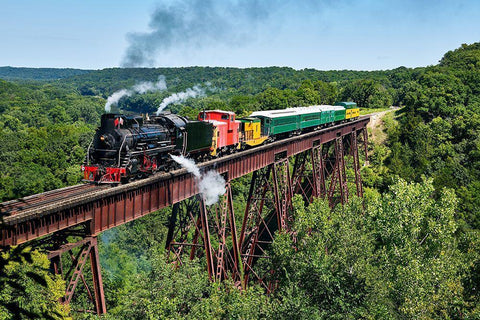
<point x="226" y="135"/>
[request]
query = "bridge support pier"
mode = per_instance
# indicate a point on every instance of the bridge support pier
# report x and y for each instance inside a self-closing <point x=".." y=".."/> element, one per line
<point x="270" y="189"/>
<point x="217" y="221"/>
<point x="311" y="169"/>
<point x="76" y="255"/>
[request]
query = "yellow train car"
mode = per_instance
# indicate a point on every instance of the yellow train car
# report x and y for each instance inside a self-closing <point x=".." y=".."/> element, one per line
<point x="351" y="109"/>
<point x="251" y="132"/>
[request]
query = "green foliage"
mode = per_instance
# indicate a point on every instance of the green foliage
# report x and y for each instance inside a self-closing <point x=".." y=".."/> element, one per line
<point x="412" y="253"/>
<point x="34" y="160"/>
<point x="398" y="260"/>
<point x="438" y="132"/>
<point x="167" y="292"/>
<point x="11" y="73"/>
<point x="44" y="134"/>
<point x="367" y="94"/>
<point x="27" y="288"/>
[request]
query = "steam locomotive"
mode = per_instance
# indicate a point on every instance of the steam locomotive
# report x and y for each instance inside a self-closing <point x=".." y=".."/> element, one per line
<point x="126" y="147"/>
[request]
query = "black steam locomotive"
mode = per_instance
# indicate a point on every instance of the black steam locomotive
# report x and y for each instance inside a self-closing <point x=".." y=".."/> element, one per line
<point x="126" y="147"/>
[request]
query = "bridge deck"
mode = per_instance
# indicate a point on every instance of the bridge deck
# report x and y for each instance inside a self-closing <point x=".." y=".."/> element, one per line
<point x="106" y="207"/>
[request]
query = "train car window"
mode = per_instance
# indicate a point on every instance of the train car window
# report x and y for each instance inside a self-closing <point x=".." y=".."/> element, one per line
<point x="231" y="118"/>
<point x="224" y="116"/>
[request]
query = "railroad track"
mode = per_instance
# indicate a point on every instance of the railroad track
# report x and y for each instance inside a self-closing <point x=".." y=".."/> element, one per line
<point x="13" y="207"/>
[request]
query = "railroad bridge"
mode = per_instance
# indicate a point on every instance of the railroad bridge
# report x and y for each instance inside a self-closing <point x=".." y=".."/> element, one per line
<point x="312" y="164"/>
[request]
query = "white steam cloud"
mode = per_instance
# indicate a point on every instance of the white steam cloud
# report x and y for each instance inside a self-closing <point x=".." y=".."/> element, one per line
<point x="211" y="184"/>
<point x="179" y="97"/>
<point x="139" y="88"/>
<point x="188" y="164"/>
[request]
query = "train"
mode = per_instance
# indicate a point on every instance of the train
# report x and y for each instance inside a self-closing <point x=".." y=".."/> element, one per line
<point x="127" y="147"/>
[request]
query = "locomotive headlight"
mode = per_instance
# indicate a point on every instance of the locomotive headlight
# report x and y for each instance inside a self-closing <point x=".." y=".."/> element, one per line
<point x="102" y="138"/>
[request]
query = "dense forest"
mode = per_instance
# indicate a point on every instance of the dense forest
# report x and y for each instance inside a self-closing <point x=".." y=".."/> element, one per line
<point x="43" y="122"/>
<point x="413" y="251"/>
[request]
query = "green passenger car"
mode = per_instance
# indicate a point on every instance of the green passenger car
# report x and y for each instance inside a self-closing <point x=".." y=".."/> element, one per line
<point x="309" y="117"/>
<point x="275" y="122"/>
<point x="339" y="113"/>
<point x="278" y="121"/>
<point x="327" y="114"/>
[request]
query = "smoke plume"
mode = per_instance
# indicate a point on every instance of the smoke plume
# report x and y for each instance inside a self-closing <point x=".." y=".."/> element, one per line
<point x="211" y="184"/>
<point x="196" y="24"/>
<point x="179" y="97"/>
<point x="139" y="88"/>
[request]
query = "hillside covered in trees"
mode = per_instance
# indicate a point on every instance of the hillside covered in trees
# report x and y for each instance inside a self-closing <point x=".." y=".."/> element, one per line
<point x="412" y="253"/>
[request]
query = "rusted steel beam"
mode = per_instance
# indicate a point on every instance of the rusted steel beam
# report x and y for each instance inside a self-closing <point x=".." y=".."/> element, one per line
<point x="206" y="237"/>
<point x="88" y="252"/>
<point x="109" y="207"/>
<point x="340" y="154"/>
<point x="318" y="171"/>
<point x="217" y="223"/>
<point x="237" y="262"/>
<point x="255" y="233"/>
<point x="356" y="164"/>
<point x="365" y="142"/>
<point x="283" y="193"/>
<point x="97" y="278"/>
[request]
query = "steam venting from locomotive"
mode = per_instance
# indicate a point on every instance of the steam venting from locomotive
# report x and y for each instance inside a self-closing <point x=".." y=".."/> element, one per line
<point x="139" y="88"/>
<point x="211" y="184"/>
<point x="195" y="91"/>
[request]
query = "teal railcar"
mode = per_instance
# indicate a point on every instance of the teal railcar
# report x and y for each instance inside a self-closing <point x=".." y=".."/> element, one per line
<point x="276" y="122"/>
<point x="309" y="117"/>
<point x="340" y="113"/>
<point x="327" y="114"/>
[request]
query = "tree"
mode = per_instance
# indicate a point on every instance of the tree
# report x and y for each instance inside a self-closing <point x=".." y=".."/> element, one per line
<point x="327" y="92"/>
<point x="400" y="259"/>
<point x="185" y="292"/>
<point x="367" y="94"/>
<point x="28" y="289"/>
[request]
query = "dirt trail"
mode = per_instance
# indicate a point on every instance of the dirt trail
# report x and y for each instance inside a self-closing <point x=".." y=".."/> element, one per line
<point x="376" y="126"/>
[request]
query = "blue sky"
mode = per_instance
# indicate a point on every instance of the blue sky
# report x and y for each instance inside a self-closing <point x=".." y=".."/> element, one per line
<point x="321" y="34"/>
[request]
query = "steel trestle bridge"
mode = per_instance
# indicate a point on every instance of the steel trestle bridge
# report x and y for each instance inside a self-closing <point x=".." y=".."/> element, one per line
<point x="312" y="164"/>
